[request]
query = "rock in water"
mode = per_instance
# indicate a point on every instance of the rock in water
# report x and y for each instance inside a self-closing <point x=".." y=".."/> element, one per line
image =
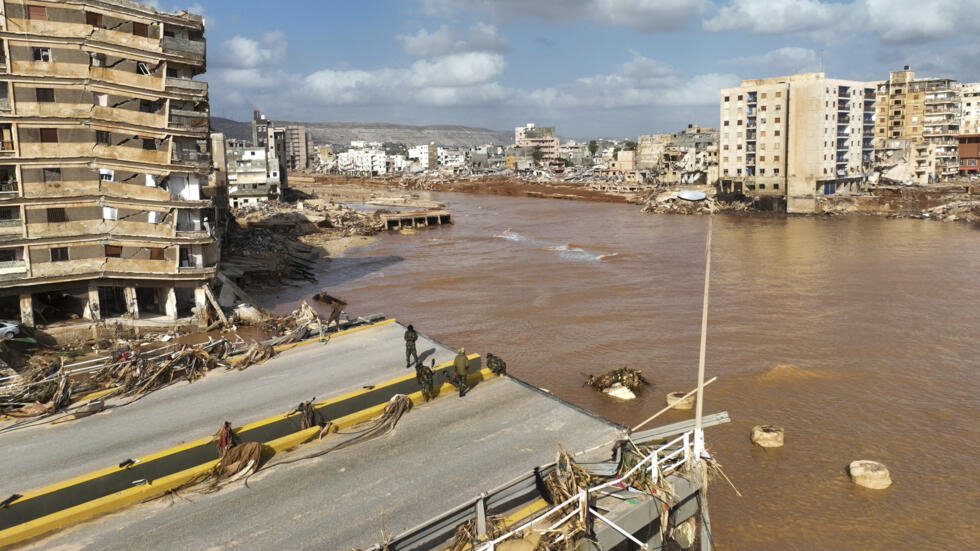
<point x="767" y="436"/>
<point x="677" y="400"/>
<point x="869" y="474"/>
<point x="617" y="390"/>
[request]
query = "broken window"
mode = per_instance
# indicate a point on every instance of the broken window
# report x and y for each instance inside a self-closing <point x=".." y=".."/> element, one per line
<point x="157" y="253"/>
<point x="56" y="214"/>
<point x="37" y="12"/>
<point x="106" y="174"/>
<point x="149" y="144"/>
<point x="103" y="137"/>
<point x="51" y="174"/>
<point x="113" y="251"/>
<point x="59" y="254"/>
<point x="141" y="29"/>
<point x="94" y="19"/>
<point x="44" y="95"/>
<point x="96" y="59"/>
<point x="49" y="135"/>
<point x="142" y="68"/>
<point x="147" y="106"/>
<point x="41" y="54"/>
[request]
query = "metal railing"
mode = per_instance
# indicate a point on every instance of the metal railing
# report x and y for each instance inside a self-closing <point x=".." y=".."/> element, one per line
<point x="677" y="452"/>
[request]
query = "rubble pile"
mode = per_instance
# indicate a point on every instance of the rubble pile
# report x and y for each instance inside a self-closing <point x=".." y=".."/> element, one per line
<point x="265" y="244"/>
<point x="47" y="384"/>
<point x="669" y="203"/>
<point x="626" y="376"/>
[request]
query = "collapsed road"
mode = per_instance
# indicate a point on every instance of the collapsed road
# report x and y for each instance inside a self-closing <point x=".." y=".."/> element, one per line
<point x="41" y="453"/>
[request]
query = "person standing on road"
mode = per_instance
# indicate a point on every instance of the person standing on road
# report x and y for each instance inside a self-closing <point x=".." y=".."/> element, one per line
<point x="460" y="365"/>
<point x="410" y="337"/>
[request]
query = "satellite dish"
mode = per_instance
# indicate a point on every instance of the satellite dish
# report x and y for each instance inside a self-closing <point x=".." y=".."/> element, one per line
<point x="691" y="195"/>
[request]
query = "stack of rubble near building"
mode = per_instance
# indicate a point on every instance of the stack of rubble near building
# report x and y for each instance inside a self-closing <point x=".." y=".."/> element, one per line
<point x="106" y="207"/>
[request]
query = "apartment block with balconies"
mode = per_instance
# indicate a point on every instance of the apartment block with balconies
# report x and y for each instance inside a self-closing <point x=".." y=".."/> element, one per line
<point x="795" y="138"/>
<point x="925" y="113"/>
<point x="104" y="162"/>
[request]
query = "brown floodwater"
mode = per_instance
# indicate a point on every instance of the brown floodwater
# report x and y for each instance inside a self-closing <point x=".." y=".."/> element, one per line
<point x="860" y="336"/>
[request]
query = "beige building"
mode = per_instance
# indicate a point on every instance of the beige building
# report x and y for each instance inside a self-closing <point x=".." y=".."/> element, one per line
<point x="926" y="113"/>
<point x="105" y="207"/>
<point x="796" y="137"/>
<point x="541" y="137"/>
<point x="970" y="108"/>
<point x="649" y="150"/>
<point x="299" y="148"/>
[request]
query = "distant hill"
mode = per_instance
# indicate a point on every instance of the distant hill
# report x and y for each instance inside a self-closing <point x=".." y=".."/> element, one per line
<point x="344" y="132"/>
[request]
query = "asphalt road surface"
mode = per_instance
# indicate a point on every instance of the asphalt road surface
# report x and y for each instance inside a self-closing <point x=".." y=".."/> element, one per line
<point x="45" y="453"/>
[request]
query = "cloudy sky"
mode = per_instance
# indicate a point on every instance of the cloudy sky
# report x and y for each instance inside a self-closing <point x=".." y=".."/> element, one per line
<point x="591" y="67"/>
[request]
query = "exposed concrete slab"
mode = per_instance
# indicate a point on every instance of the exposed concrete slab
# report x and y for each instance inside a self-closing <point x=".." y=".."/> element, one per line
<point x="45" y="453"/>
<point x="440" y="454"/>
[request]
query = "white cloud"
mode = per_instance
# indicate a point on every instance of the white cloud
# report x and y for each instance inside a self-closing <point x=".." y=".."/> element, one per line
<point x="784" y="61"/>
<point x="644" y="15"/>
<point x="918" y="20"/>
<point x="896" y="21"/>
<point x="639" y="82"/>
<point x="481" y="37"/>
<point x="244" y="53"/>
<point x="768" y="16"/>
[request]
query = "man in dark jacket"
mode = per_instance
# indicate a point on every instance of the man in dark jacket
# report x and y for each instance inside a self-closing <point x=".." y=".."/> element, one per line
<point x="410" y="337"/>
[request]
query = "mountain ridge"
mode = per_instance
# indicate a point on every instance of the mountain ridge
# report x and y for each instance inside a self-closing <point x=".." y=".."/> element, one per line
<point x="342" y="133"/>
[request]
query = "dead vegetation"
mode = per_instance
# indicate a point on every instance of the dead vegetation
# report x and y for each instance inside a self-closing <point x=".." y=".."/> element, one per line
<point x="628" y="377"/>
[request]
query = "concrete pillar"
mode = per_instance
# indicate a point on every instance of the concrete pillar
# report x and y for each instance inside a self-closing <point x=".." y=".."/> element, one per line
<point x="93" y="309"/>
<point x="27" y="309"/>
<point x="200" y="303"/>
<point x="132" y="306"/>
<point x="170" y="302"/>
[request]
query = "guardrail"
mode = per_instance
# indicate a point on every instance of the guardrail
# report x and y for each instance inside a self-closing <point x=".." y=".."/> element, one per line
<point x="674" y="457"/>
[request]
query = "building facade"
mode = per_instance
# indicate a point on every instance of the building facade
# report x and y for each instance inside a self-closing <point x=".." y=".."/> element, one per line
<point x="970" y="108"/>
<point x="299" y="148"/>
<point x="252" y="176"/>
<point x="969" y="154"/>
<point x="925" y="112"/>
<point x="796" y="137"/>
<point x="541" y="138"/>
<point x="105" y="207"/>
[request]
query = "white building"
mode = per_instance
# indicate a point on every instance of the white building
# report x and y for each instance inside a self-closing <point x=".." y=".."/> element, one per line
<point x="451" y="158"/>
<point x="970" y="108"/>
<point x="370" y="162"/>
<point x="796" y="136"/>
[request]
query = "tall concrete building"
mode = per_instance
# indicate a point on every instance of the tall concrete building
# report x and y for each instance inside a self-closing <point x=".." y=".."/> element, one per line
<point x="796" y="137"/>
<point x="299" y="148"/>
<point x="969" y="108"/>
<point x="924" y="112"/>
<point x="541" y="137"/>
<point x="105" y="207"/>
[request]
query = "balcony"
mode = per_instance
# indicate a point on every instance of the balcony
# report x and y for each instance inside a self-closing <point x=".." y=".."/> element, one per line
<point x="843" y="119"/>
<point x="191" y="157"/>
<point x="752" y="97"/>
<point x="843" y="92"/>
<point x="843" y="106"/>
<point x="183" y="46"/>
<point x="187" y="84"/>
<point x="750" y="135"/>
<point x="9" y="187"/>
<point x="12" y="267"/>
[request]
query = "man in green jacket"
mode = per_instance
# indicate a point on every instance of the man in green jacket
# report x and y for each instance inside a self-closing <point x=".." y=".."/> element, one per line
<point x="460" y="364"/>
<point x="410" y="337"/>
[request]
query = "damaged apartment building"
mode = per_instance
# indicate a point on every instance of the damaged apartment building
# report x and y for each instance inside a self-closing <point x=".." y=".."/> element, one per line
<point x="104" y="204"/>
<point x="252" y="172"/>
<point x="916" y="127"/>
<point x="792" y="139"/>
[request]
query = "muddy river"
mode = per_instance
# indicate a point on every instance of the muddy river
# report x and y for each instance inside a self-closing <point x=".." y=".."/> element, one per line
<point x="860" y="336"/>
